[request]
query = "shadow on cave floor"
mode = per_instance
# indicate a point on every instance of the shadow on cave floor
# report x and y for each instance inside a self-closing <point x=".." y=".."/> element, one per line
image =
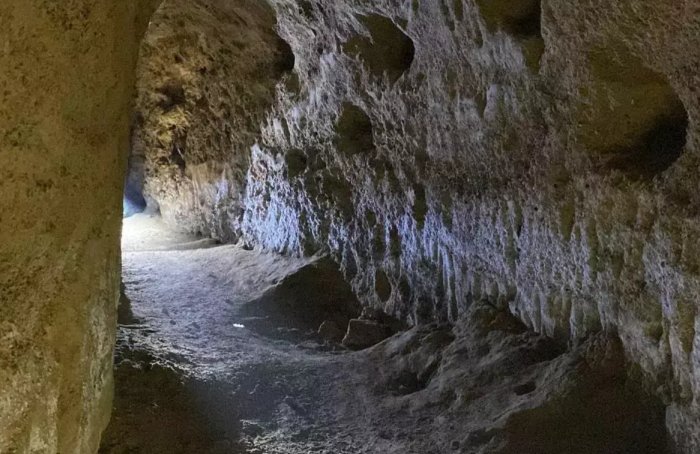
<point x="201" y="367"/>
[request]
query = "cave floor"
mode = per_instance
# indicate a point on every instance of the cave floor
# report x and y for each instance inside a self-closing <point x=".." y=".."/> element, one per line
<point x="191" y="377"/>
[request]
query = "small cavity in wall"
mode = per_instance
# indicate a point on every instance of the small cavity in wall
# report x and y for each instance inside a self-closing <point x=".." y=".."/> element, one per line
<point x="388" y="50"/>
<point x="520" y="19"/>
<point x="633" y="120"/>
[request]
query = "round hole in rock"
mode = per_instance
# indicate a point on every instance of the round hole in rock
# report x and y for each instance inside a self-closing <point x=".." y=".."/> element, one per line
<point x="354" y="131"/>
<point x="389" y="50"/>
<point x="632" y="119"/>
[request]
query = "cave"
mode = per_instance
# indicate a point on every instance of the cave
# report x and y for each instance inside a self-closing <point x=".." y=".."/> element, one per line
<point x="430" y="227"/>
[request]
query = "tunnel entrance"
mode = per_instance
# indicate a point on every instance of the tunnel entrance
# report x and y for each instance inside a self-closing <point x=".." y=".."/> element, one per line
<point x="134" y="201"/>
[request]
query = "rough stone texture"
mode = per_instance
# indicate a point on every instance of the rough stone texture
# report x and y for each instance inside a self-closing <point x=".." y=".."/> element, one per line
<point x="66" y="76"/>
<point x="207" y="73"/>
<point x="331" y="332"/>
<point x="541" y="156"/>
<point x="509" y="390"/>
<point x="363" y="334"/>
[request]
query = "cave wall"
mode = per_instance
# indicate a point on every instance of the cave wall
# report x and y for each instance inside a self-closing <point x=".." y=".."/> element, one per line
<point x="537" y="155"/>
<point x="207" y="74"/>
<point x="66" y="82"/>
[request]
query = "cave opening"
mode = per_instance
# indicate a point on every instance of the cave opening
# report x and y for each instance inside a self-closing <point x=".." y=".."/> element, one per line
<point x="134" y="201"/>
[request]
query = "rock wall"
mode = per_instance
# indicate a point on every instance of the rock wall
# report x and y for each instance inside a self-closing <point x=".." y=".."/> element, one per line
<point x="207" y="74"/>
<point x="537" y="155"/>
<point x="66" y="80"/>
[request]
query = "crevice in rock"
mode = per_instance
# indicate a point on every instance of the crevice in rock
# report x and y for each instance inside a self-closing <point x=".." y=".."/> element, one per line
<point x="339" y="192"/>
<point x="134" y="200"/>
<point x="286" y="60"/>
<point x="420" y="205"/>
<point x="388" y="50"/>
<point x="125" y="315"/>
<point x="306" y="8"/>
<point x="525" y="388"/>
<point x="177" y="153"/>
<point x="382" y="286"/>
<point x="297" y="163"/>
<point x="458" y="6"/>
<point x="407" y="382"/>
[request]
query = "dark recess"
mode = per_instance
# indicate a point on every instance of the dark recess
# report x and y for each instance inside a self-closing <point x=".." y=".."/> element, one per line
<point x="656" y="150"/>
<point x="172" y="95"/>
<point x="285" y="60"/>
<point x="521" y="19"/>
<point x="297" y="306"/>
<point x="636" y="120"/>
<point x="389" y="51"/>
<point x="382" y="286"/>
<point x="354" y="131"/>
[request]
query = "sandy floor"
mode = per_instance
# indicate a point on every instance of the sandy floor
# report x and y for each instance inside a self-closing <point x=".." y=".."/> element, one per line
<point x="193" y="377"/>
